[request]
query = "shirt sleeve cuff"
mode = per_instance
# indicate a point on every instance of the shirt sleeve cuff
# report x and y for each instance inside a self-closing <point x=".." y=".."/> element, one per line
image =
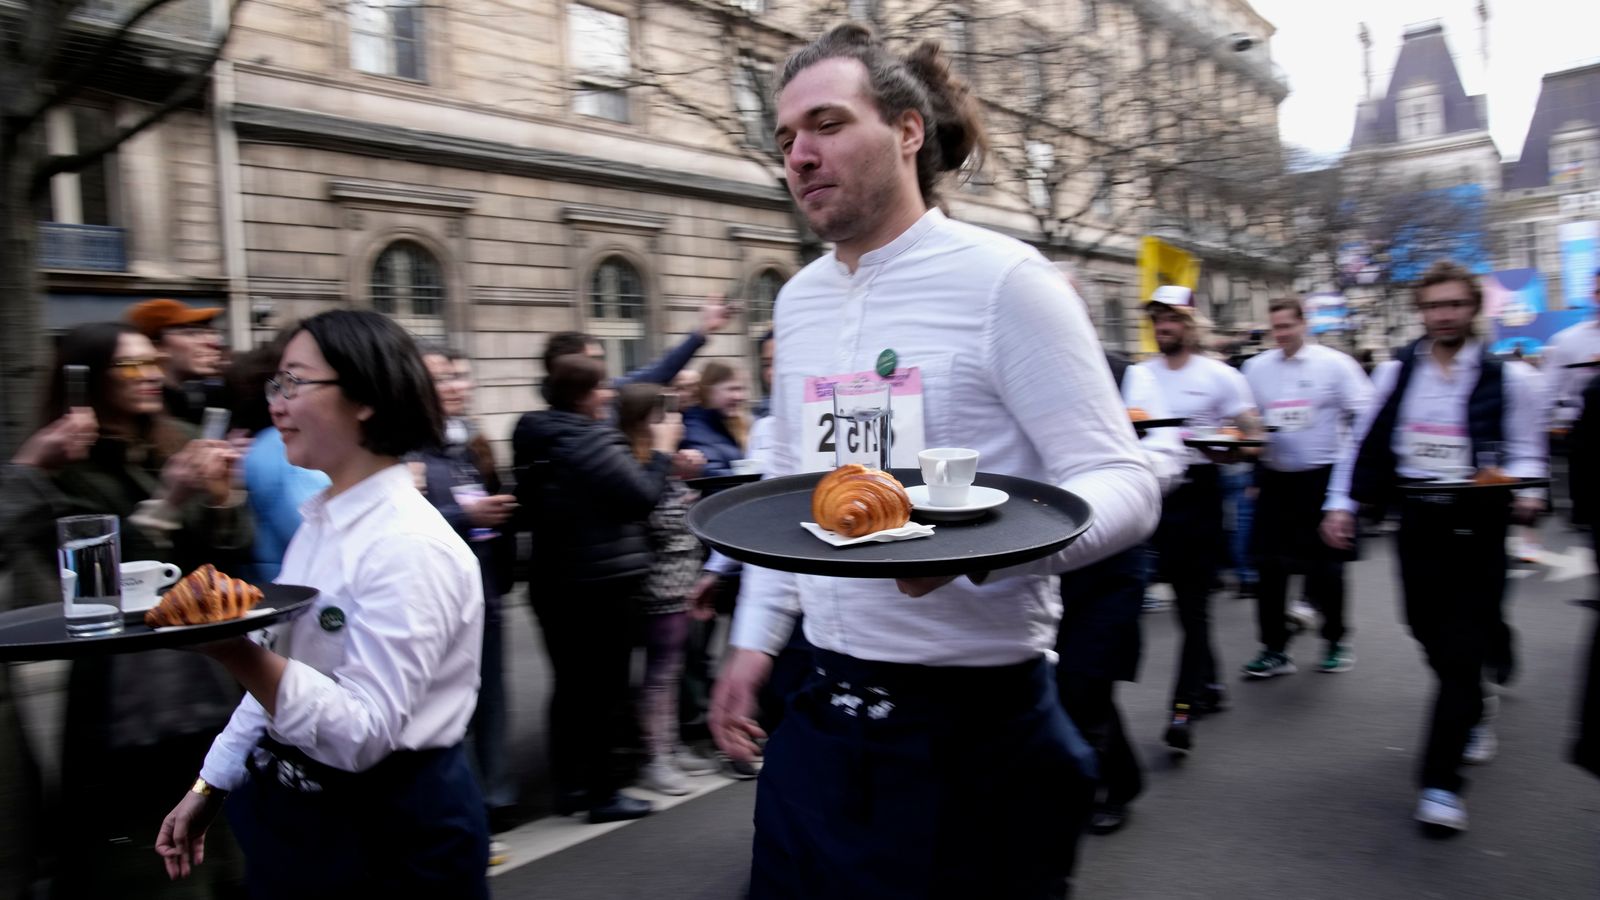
<point x="761" y="628"/>
<point x="1340" y="503"/>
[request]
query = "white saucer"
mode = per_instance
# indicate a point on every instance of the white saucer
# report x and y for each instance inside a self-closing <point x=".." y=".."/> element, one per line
<point x="979" y="501"/>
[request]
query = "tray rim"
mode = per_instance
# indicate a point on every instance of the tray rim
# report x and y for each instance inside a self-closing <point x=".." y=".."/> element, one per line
<point x="859" y="568"/>
<point x="144" y="638"/>
<point x="1433" y="487"/>
<point x="1169" y="422"/>
<point x="1226" y="443"/>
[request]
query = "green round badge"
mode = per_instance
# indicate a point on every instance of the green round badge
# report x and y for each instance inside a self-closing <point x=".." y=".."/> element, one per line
<point x="887" y="361"/>
<point x="331" y="619"/>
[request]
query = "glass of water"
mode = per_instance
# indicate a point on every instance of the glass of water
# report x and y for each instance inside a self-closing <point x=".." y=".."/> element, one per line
<point x="91" y="574"/>
<point x="862" y="416"/>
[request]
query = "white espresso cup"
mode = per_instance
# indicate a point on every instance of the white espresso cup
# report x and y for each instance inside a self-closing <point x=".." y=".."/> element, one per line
<point x="142" y="578"/>
<point x="948" y="472"/>
<point x="745" y="466"/>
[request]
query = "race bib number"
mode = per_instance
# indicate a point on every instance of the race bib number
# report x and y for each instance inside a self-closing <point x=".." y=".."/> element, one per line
<point x="1440" y="449"/>
<point x="821" y="434"/>
<point x="1289" y="415"/>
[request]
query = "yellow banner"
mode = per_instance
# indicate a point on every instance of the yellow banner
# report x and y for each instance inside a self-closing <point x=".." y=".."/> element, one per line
<point x="1161" y="263"/>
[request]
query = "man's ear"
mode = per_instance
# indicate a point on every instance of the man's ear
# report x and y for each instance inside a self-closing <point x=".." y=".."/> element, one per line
<point x="912" y="133"/>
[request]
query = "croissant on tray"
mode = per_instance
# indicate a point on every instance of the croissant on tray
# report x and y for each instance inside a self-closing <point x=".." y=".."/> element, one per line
<point x="1492" y="475"/>
<point x="1137" y="414"/>
<point x="202" y="597"/>
<point x="854" y="500"/>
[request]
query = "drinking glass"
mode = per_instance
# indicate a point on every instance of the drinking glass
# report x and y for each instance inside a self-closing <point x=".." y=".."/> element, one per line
<point x="90" y="548"/>
<point x="862" y="416"/>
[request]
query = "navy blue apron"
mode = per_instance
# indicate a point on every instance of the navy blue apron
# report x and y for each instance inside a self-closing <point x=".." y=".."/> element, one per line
<point x="412" y="825"/>
<point x="899" y="781"/>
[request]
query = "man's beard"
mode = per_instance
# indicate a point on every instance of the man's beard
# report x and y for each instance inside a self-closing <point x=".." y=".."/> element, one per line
<point x="1169" y="347"/>
<point x="873" y="197"/>
<point x="1453" y="341"/>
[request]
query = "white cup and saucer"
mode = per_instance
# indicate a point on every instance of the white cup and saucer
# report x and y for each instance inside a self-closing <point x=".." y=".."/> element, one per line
<point x="142" y="581"/>
<point x="947" y="491"/>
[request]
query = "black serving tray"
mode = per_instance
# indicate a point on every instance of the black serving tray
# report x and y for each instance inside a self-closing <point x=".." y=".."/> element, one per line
<point x="40" y="632"/>
<point x="760" y="524"/>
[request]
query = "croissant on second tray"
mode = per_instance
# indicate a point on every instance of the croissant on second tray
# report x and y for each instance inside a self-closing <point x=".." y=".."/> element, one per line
<point x="854" y="500"/>
<point x="202" y="597"/>
<point x="1137" y="414"/>
<point x="1490" y="475"/>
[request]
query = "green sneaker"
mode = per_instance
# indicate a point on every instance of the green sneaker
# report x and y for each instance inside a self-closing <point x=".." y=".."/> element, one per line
<point x="1267" y="664"/>
<point x="1339" y="659"/>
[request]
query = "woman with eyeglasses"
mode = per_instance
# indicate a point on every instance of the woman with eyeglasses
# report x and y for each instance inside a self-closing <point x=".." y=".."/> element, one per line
<point x="343" y="772"/>
<point x="147" y="713"/>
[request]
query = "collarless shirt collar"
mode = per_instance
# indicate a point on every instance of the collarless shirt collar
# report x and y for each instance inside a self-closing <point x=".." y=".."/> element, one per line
<point x="342" y="510"/>
<point x="1467" y="359"/>
<point x="907" y="239"/>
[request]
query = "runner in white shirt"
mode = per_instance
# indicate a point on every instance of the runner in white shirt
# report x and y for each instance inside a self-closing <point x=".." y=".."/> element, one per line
<point x="1441" y="409"/>
<point x="1310" y="397"/>
<point x="342" y="769"/>
<point x="927" y="753"/>
<point x="1577" y="344"/>
<point x="1189" y="540"/>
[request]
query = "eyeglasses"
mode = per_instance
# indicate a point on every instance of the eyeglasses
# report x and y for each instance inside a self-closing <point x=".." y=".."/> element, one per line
<point x="1448" y="303"/>
<point x="287" y="385"/>
<point x="135" y="369"/>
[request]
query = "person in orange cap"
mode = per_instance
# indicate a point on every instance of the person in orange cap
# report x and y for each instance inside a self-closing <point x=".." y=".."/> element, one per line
<point x="191" y="354"/>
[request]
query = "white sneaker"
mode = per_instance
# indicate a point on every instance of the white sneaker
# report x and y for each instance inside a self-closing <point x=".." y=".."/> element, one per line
<point x="498" y="852"/>
<point x="1442" y="808"/>
<point x="663" y="779"/>
<point x="691" y="763"/>
<point x="1482" y="745"/>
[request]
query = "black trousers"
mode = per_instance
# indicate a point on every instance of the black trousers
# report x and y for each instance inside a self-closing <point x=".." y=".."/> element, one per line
<point x="587" y="634"/>
<point x="411" y="826"/>
<point x="894" y="782"/>
<point x="1190" y="541"/>
<point x="1099" y="644"/>
<point x="1285" y="542"/>
<point x="1453" y="576"/>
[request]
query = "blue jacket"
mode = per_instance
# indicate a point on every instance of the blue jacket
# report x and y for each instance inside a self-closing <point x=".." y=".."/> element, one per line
<point x="276" y="489"/>
<point x="706" y="430"/>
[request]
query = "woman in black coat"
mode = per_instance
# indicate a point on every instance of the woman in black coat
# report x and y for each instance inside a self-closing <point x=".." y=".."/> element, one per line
<point x="586" y="498"/>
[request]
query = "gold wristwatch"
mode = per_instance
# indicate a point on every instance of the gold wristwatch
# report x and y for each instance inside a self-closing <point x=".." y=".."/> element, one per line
<point x="203" y="789"/>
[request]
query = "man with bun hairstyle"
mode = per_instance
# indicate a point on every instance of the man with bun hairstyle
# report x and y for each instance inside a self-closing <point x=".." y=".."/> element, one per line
<point x="927" y="753"/>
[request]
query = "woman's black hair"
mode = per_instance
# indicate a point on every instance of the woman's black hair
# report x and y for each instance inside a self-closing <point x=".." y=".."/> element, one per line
<point x="572" y="377"/>
<point x="247" y="381"/>
<point x="379" y="367"/>
<point x="93" y="345"/>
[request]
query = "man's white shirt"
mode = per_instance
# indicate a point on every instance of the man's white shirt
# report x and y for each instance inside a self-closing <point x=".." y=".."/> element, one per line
<point x="1205" y="392"/>
<point x="1436" y="402"/>
<point x="1314" y="399"/>
<point x="1010" y="367"/>
<point x="1580" y="343"/>
<point x="1163" y="447"/>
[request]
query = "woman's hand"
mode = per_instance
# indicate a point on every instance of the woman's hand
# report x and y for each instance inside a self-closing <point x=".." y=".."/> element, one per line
<point x="65" y="440"/>
<point x="667" y="434"/>
<point x="201" y="467"/>
<point x="688" y="463"/>
<point x="490" y="512"/>
<point x="182" y="841"/>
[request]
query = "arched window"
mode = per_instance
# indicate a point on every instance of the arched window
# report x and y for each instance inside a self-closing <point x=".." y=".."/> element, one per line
<point x="617" y="313"/>
<point x="408" y="285"/>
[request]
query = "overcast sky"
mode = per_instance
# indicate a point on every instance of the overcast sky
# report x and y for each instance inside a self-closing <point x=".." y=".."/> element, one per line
<point x="1316" y="44"/>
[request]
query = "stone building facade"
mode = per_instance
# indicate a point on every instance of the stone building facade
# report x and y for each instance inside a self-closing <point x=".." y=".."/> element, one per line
<point x="491" y="171"/>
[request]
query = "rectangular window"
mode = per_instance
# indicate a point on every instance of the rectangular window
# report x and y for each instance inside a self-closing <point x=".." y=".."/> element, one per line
<point x="386" y="38"/>
<point x="752" y="101"/>
<point x="598" y="46"/>
<point x="1041" y="158"/>
<point x="89" y="195"/>
<point x="1418" y="114"/>
<point x="1113" y="327"/>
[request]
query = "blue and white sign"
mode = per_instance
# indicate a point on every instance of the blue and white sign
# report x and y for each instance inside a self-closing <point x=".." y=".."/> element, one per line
<point x="1326" y="313"/>
<point x="1580" y="259"/>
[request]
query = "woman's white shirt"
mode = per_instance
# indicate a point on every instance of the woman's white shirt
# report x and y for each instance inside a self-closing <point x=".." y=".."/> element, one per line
<point x="387" y="657"/>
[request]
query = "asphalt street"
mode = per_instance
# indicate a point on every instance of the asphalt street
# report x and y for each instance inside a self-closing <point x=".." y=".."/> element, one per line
<point x="1304" y="789"/>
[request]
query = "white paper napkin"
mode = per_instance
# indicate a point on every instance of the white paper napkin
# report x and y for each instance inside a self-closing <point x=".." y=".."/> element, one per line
<point x="906" y="532"/>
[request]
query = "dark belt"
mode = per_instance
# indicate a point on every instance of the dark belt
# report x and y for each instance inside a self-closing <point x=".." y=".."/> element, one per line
<point x="287" y="767"/>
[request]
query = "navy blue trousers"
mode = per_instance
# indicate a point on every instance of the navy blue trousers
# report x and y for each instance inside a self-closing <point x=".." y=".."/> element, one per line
<point x="411" y="826"/>
<point x="894" y="781"/>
